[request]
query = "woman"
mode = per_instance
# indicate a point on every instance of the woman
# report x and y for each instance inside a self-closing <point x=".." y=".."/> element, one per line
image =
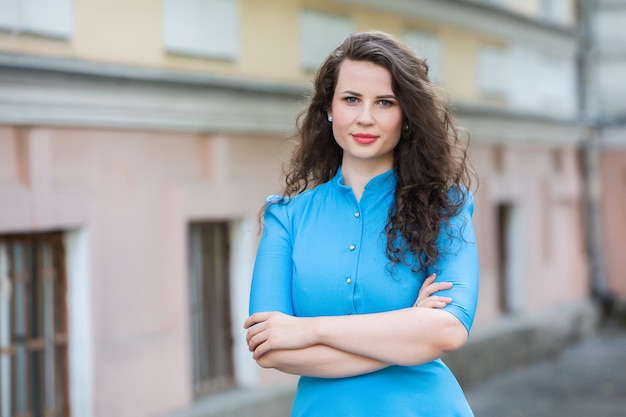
<point x="375" y="202"/>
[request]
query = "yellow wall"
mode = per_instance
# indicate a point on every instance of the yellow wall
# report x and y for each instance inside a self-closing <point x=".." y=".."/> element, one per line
<point x="129" y="33"/>
<point x="530" y="8"/>
<point x="269" y="41"/>
<point x="118" y="31"/>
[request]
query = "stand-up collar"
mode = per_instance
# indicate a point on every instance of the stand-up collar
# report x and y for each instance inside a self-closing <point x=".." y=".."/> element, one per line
<point x="380" y="183"/>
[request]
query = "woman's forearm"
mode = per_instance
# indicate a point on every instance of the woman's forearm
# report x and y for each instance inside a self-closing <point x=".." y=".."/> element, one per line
<point x="319" y="361"/>
<point x="410" y="336"/>
<point x="348" y="345"/>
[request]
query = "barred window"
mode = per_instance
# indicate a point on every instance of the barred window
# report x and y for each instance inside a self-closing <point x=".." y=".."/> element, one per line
<point x="33" y="326"/>
<point x="210" y="318"/>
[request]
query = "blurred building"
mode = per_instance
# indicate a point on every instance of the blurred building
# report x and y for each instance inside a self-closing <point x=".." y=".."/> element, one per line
<point x="604" y="57"/>
<point x="138" y="140"/>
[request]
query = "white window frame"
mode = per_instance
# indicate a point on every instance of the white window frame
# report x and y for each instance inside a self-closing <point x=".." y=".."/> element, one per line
<point x="493" y="70"/>
<point x="80" y="322"/>
<point x="320" y="34"/>
<point x="202" y="28"/>
<point x="49" y="18"/>
<point x="554" y="11"/>
<point x="428" y="46"/>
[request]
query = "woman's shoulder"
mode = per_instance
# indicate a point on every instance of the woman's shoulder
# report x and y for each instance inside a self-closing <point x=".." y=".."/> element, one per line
<point x="292" y="208"/>
<point x="303" y="198"/>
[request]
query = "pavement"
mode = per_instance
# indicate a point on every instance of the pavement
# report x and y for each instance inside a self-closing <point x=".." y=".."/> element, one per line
<point x="586" y="380"/>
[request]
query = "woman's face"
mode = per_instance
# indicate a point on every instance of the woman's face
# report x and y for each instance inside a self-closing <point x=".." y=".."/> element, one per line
<point x="367" y="119"/>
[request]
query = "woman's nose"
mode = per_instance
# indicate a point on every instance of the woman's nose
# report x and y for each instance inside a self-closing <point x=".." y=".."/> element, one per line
<point x="365" y="116"/>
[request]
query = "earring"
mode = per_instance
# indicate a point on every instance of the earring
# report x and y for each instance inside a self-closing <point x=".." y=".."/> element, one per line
<point x="330" y="119"/>
<point x="406" y="127"/>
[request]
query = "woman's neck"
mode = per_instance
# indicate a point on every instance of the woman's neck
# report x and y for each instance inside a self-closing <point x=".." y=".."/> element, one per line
<point x="356" y="176"/>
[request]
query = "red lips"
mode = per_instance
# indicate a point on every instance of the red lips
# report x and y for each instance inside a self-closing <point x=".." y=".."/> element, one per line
<point x="364" y="138"/>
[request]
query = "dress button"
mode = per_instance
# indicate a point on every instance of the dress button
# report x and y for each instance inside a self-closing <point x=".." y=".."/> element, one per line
<point x="348" y="280"/>
<point x="351" y="247"/>
<point x="357" y="214"/>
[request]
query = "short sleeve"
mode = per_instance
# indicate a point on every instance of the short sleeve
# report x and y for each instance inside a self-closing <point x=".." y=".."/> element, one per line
<point x="458" y="263"/>
<point x="272" y="274"/>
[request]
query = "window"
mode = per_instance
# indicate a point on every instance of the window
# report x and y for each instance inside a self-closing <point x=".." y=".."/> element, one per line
<point x="427" y="46"/>
<point x="545" y="82"/>
<point x="205" y="28"/>
<point x="209" y="295"/>
<point x="33" y="326"/>
<point x="503" y="216"/>
<point x="554" y="10"/>
<point x="320" y="33"/>
<point x="511" y="257"/>
<point x="493" y="70"/>
<point x="51" y="18"/>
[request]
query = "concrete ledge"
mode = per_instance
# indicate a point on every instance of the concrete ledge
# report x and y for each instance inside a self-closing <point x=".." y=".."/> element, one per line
<point x="519" y="340"/>
<point x="243" y="403"/>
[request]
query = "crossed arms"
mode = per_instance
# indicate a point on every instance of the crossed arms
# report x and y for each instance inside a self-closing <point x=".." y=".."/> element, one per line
<point x="341" y="346"/>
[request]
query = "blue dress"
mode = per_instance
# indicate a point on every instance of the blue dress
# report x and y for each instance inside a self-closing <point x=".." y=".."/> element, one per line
<point x="322" y="254"/>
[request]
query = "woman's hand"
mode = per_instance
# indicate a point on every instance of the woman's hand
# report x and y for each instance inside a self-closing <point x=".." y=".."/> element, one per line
<point x="425" y="296"/>
<point x="274" y="330"/>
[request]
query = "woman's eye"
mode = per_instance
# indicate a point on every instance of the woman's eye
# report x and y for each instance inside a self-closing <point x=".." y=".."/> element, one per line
<point x="386" y="103"/>
<point x="351" y="100"/>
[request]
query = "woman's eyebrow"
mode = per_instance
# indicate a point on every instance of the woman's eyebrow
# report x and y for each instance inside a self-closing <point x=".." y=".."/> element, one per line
<point x="384" y="96"/>
<point x="352" y="93"/>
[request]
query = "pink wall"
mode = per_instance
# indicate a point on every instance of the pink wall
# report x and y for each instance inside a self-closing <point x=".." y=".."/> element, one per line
<point x="547" y="240"/>
<point x="135" y="192"/>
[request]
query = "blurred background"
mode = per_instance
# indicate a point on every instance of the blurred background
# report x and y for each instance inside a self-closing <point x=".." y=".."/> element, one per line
<point x="139" y="139"/>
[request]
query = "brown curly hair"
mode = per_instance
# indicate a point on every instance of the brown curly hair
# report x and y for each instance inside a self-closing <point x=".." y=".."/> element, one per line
<point x="430" y="161"/>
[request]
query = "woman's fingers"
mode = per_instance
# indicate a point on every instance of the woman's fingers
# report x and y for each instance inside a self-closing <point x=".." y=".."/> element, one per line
<point x="429" y="280"/>
<point x="255" y="340"/>
<point x="425" y="296"/>
<point x="253" y="331"/>
<point x="275" y="330"/>
<point x="429" y="287"/>
<point x="256" y="318"/>
<point x="434" y="302"/>
<point x="256" y="326"/>
<point x="261" y="350"/>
